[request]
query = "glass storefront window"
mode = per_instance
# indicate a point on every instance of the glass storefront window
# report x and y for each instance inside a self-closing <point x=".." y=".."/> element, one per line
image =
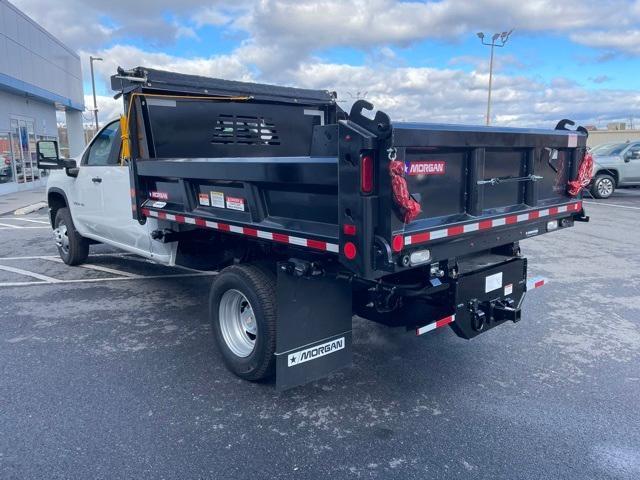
<point x="6" y="159"/>
<point x="18" y="162"/>
<point x="23" y="146"/>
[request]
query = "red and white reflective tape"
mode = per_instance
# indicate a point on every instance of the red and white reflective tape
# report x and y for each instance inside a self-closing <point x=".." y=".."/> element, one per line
<point x="536" y="282"/>
<point x="251" y="232"/>
<point x="436" y="324"/>
<point x="456" y="230"/>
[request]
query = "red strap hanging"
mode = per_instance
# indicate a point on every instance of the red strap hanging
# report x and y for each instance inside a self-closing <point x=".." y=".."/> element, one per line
<point x="409" y="207"/>
<point x="585" y="174"/>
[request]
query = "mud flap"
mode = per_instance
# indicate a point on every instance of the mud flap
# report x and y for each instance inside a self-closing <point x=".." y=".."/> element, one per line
<point x="313" y="330"/>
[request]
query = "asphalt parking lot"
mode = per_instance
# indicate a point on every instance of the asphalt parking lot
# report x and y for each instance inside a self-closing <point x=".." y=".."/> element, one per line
<point x="110" y="372"/>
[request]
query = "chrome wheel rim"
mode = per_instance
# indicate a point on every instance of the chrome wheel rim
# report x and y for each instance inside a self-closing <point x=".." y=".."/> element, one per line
<point x="605" y="187"/>
<point x="61" y="236"/>
<point x="237" y="323"/>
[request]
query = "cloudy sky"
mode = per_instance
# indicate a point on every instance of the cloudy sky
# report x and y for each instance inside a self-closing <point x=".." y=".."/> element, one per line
<point x="415" y="60"/>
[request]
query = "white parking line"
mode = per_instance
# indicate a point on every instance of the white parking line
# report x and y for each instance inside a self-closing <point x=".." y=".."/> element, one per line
<point x="44" y="278"/>
<point x="31" y="220"/>
<point x="611" y="205"/>
<point x="99" y="268"/>
<point x="25" y="228"/>
<point x="114" y="279"/>
<point x="46" y="257"/>
<point x="9" y="225"/>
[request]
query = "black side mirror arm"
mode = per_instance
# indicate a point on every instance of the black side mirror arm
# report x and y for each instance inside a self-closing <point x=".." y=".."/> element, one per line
<point x="70" y="168"/>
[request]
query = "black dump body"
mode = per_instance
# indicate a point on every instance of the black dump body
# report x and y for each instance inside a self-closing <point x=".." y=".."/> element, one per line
<point x="285" y="165"/>
<point x="401" y="223"/>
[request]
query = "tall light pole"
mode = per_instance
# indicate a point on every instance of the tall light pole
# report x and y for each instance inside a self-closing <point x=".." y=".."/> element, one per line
<point x="93" y="86"/>
<point x="497" y="40"/>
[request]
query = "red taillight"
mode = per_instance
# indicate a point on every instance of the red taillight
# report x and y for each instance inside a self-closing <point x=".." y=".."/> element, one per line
<point x="349" y="229"/>
<point x="397" y="243"/>
<point x="349" y="250"/>
<point x="366" y="173"/>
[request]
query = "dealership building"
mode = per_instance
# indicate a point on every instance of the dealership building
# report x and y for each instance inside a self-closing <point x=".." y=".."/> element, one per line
<point x="39" y="76"/>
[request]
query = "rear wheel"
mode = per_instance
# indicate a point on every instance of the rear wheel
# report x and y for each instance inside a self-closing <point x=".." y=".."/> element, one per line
<point x="242" y="311"/>
<point x="603" y="186"/>
<point x="72" y="247"/>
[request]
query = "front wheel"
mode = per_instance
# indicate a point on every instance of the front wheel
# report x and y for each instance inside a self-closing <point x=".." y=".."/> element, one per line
<point x="603" y="186"/>
<point x="242" y="311"/>
<point x="72" y="247"/>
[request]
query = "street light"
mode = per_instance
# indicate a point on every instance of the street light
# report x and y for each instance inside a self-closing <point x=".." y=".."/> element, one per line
<point x="503" y="37"/>
<point x="93" y="86"/>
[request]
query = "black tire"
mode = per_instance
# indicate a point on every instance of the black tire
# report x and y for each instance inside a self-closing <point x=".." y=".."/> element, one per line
<point x="76" y="248"/>
<point x="258" y="285"/>
<point x="603" y="186"/>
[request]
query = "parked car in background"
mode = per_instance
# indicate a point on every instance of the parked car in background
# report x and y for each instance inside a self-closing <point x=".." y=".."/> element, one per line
<point x="616" y="165"/>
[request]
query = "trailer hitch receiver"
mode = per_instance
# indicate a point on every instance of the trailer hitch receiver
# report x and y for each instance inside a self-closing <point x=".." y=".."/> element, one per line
<point x="483" y="314"/>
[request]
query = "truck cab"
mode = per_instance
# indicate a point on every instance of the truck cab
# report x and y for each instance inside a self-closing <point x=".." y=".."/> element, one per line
<point x="95" y="191"/>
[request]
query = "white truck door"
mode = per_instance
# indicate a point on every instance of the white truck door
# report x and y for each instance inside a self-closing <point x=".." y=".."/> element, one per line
<point x="115" y="222"/>
<point x="88" y="203"/>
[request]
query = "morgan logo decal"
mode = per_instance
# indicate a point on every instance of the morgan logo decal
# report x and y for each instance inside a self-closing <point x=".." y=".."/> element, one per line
<point x="159" y="195"/>
<point x="318" y="351"/>
<point x="430" y="167"/>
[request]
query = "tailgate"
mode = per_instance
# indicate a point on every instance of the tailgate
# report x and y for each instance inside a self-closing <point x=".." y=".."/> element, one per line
<point x="495" y="185"/>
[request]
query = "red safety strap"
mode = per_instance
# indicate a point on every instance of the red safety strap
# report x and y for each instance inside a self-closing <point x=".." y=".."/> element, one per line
<point x="585" y="174"/>
<point x="409" y="207"/>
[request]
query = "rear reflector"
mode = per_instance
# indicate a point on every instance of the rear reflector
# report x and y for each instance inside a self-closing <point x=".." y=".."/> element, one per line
<point x="536" y="282"/>
<point x="432" y="326"/>
<point x="366" y="173"/>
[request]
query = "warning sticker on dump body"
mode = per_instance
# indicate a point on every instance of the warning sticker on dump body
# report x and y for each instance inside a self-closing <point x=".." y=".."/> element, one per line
<point x="508" y="289"/>
<point x="235" y="203"/>
<point x="203" y="199"/>
<point x="425" y="167"/>
<point x="217" y="199"/>
<point x="493" y="282"/>
<point x="312" y="353"/>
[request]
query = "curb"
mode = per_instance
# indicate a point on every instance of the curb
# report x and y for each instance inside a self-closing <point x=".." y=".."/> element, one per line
<point x="30" y="208"/>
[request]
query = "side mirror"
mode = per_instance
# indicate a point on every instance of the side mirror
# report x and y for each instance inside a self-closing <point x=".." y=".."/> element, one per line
<point x="632" y="154"/>
<point x="48" y="157"/>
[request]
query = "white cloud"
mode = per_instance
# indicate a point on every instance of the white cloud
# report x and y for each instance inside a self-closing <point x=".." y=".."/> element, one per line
<point x="284" y="38"/>
<point x="108" y="109"/>
<point x="453" y="96"/>
<point x="627" y="41"/>
<point x="407" y="93"/>
<point x="230" y="67"/>
<point x="300" y="27"/>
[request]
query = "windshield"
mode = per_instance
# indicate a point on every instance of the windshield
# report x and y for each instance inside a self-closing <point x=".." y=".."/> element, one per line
<point x="609" y="149"/>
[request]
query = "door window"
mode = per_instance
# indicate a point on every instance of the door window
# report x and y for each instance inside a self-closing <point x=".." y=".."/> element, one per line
<point x="101" y="151"/>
